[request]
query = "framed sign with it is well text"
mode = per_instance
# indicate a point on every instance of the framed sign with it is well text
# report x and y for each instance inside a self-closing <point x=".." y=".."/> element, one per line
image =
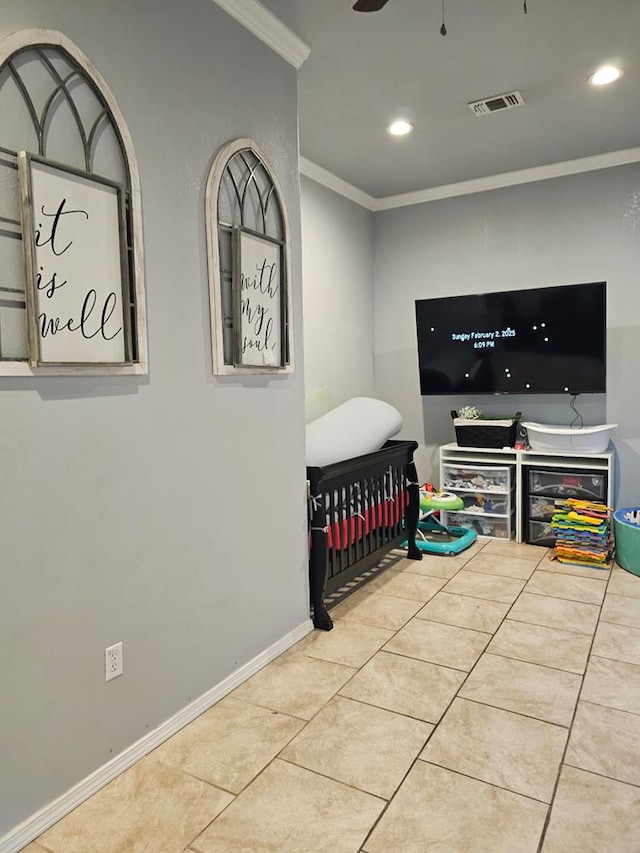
<point x="76" y="261"/>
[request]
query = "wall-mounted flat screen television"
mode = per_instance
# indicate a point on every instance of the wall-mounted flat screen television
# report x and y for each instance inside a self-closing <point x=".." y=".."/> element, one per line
<point x="546" y="340"/>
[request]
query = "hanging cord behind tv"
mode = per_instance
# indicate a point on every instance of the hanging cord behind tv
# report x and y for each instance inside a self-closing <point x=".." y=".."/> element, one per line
<point x="578" y="421"/>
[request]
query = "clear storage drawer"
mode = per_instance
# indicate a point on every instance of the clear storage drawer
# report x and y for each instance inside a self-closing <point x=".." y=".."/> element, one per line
<point x="476" y="478"/>
<point x="486" y="502"/>
<point x="542" y="508"/>
<point x="541" y="533"/>
<point x="497" y="528"/>
<point x="576" y="484"/>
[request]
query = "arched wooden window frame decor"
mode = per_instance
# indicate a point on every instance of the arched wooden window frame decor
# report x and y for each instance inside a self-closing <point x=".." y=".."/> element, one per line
<point x="243" y="196"/>
<point x="70" y="72"/>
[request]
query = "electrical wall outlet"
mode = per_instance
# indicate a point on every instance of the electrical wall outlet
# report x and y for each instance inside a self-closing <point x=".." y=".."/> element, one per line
<point x="113" y="666"/>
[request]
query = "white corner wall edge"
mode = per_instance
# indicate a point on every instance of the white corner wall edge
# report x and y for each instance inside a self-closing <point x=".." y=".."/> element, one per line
<point x="268" y="28"/>
<point x="477" y="185"/>
<point x="35" y="825"/>
<point x="333" y="182"/>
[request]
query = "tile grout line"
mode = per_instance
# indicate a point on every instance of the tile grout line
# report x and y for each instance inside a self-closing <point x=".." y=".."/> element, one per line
<point x="244" y="787"/>
<point x="569" y="728"/>
<point x="357" y="671"/>
<point x="517" y="713"/>
<point x="622" y="594"/>
<point x="388" y="710"/>
<point x="278" y="757"/>
<point x="417" y="758"/>
<point x="602" y="775"/>
<point x="442" y="716"/>
<point x="422" y="660"/>
<point x="275" y="757"/>
<point x="617" y="660"/>
<point x="350" y="785"/>
<point x="484" y="782"/>
<point x="547" y="595"/>
<point x="537" y="663"/>
<point x="395" y="632"/>
<point x="573" y="717"/>
<point x="457" y="695"/>
<point x="610" y="707"/>
<point x="567" y="630"/>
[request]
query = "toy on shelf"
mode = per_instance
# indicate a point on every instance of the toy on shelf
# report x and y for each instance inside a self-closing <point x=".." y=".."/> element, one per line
<point x="434" y="537"/>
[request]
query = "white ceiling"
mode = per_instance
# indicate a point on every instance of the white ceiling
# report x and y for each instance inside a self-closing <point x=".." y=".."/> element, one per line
<point x="366" y="69"/>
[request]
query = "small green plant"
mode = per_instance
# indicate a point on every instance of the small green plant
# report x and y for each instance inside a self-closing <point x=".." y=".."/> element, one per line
<point x="473" y="413"/>
<point x="470" y="413"/>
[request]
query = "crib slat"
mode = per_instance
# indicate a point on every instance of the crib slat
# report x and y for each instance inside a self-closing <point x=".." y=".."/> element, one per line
<point x="333" y="568"/>
<point x="361" y="523"/>
<point x="342" y="551"/>
<point x="377" y="506"/>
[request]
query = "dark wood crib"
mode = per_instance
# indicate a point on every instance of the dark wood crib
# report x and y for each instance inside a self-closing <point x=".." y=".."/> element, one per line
<point x="358" y="510"/>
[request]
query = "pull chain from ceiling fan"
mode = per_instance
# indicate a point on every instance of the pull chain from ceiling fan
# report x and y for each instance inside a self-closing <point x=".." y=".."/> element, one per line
<point x="443" y="27"/>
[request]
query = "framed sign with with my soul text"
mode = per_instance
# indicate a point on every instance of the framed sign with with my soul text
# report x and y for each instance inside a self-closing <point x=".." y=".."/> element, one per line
<point x="260" y="303"/>
<point x="74" y="237"/>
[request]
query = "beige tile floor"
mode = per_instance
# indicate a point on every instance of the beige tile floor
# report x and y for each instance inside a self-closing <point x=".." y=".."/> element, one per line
<point x="487" y="702"/>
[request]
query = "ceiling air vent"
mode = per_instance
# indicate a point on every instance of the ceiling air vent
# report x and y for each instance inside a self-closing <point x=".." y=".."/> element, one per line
<point x="496" y="103"/>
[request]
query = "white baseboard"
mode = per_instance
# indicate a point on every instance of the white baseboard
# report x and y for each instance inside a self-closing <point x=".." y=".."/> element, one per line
<point x="35" y="825"/>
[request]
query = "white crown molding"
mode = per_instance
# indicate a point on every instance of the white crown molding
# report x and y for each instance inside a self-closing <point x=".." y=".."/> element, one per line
<point x="269" y="29"/>
<point x="510" y="179"/>
<point x="333" y="182"/>
<point x="34" y="826"/>
<point x="478" y="185"/>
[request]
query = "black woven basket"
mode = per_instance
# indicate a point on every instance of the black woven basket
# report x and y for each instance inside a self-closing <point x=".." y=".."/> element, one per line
<point x="484" y="433"/>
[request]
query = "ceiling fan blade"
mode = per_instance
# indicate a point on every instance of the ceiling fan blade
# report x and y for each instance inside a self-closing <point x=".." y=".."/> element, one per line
<point x="369" y="5"/>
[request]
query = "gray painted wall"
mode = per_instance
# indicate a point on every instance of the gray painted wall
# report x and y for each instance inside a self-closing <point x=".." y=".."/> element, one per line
<point x="568" y="230"/>
<point x="337" y="267"/>
<point x="166" y="512"/>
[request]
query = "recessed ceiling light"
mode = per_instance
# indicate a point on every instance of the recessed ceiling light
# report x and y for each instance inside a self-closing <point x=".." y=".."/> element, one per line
<point x="400" y="128"/>
<point x="604" y="75"/>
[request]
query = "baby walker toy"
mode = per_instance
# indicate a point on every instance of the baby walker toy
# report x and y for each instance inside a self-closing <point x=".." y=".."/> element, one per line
<point x="434" y="537"/>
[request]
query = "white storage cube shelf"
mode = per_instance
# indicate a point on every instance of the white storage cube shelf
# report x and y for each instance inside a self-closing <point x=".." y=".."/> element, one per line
<point x="520" y="487"/>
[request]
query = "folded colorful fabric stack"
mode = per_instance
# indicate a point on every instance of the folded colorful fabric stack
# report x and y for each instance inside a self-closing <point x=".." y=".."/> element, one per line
<point x="583" y="533"/>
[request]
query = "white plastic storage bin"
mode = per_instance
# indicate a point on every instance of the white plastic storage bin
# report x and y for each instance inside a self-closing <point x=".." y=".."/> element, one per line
<point x="476" y="478"/>
<point x="564" y="439"/>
